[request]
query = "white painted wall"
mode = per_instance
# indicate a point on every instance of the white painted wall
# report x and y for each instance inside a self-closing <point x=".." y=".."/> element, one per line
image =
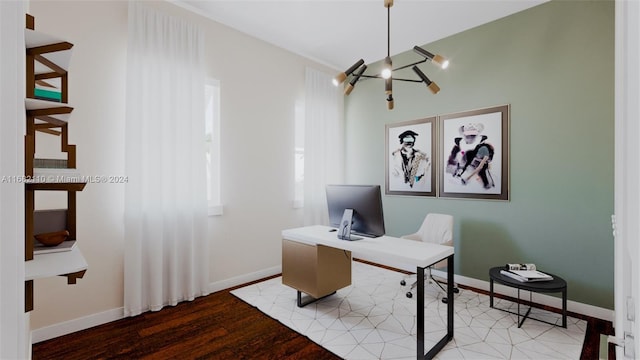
<point x="260" y="84"/>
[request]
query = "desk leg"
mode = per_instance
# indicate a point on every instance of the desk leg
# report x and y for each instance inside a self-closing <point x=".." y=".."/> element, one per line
<point x="420" y="313"/>
<point x="311" y="299"/>
<point x="450" y="287"/>
<point x="449" y="336"/>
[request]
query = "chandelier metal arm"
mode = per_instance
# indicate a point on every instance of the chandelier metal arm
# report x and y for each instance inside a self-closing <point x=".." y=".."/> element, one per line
<point x="394" y="79"/>
<point x="378" y="76"/>
<point x="407" y="80"/>
<point x="410" y="65"/>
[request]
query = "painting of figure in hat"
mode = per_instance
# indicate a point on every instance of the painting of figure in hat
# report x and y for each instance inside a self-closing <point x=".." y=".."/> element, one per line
<point x="474" y="154"/>
<point x="409" y="164"/>
<point x="471" y="156"/>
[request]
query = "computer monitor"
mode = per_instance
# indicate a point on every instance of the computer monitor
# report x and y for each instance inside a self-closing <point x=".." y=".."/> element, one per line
<point x="365" y="201"/>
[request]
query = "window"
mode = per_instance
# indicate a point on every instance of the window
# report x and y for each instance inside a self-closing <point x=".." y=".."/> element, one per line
<point x="298" y="196"/>
<point x="212" y="145"/>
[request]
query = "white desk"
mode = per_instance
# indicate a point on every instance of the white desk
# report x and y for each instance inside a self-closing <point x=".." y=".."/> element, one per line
<point x="404" y="254"/>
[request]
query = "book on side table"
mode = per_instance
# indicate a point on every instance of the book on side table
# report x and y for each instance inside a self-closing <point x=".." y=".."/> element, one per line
<point x="527" y="275"/>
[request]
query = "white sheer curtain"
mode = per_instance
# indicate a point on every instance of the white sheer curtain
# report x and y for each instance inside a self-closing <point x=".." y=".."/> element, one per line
<point x="166" y="249"/>
<point x="323" y="143"/>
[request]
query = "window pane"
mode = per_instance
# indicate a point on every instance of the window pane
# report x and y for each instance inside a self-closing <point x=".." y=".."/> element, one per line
<point x="212" y="141"/>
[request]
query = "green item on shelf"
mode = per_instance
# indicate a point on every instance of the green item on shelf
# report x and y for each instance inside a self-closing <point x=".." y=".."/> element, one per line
<point x="48" y="94"/>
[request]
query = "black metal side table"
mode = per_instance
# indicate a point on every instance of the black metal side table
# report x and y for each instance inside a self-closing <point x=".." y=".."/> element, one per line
<point x="552" y="286"/>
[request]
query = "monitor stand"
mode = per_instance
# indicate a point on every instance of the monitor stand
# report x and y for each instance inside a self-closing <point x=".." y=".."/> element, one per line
<point x="344" y="231"/>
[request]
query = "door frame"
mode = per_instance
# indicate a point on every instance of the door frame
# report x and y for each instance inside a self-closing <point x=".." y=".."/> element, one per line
<point x="626" y="227"/>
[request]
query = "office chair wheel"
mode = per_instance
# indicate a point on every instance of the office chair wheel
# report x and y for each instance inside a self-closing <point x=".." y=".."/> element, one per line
<point x="456" y="290"/>
<point x="403" y="283"/>
<point x="409" y="295"/>
<point x="444" y="300"/>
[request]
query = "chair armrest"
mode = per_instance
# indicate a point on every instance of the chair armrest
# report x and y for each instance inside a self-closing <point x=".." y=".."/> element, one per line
<point x="415" y="236"/>
<point x="418" y="237"/>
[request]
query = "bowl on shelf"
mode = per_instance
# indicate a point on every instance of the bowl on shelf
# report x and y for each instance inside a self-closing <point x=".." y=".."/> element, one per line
<point x="52" y="238"/>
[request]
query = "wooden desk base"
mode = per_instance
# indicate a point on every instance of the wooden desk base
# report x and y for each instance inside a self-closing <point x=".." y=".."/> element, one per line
<point x="315" y="270"/>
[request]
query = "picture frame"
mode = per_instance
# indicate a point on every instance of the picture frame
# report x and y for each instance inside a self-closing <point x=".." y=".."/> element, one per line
<point x="474" y="154"/>
<point x="410" y="168"/>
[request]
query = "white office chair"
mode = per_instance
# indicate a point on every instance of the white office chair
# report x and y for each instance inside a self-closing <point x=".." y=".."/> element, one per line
<point x="438" y="229"/>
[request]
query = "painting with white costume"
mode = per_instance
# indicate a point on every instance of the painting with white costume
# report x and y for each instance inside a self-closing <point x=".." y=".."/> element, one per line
<point x="474" y="154"/>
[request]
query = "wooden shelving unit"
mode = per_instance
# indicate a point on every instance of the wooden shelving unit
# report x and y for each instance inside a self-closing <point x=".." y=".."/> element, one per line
<point x="47" y="64"/>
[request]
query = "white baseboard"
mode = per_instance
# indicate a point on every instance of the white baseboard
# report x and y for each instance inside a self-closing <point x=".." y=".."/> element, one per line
<point x="68" y="327"/>
<point x="556" y="302"/>
<point x="89" y="321"/>
<point x="243" y="279"/>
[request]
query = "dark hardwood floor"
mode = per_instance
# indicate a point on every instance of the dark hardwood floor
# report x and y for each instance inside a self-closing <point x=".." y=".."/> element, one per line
<point x="217" y="326"/>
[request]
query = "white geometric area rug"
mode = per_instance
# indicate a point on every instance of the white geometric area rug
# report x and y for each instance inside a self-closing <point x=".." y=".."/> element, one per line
<point x="373" y="319"/>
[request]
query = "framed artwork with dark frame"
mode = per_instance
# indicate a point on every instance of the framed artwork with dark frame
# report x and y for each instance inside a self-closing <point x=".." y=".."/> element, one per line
<point x="410" y="149"/>
<point x="474" y="154"/>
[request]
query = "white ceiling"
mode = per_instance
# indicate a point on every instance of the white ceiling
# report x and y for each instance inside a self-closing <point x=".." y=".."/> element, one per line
<point x="338" y="33"/>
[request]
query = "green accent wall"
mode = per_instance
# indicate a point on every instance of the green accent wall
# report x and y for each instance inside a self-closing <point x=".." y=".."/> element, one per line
<point x="554" y="65"/>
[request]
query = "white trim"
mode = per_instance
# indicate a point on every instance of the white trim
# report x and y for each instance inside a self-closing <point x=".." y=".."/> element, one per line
<point x="243" y="279"/>
<point x="556" y="302"/>
<point x="212" y="119"/>
<point x="71" y="326"/>
<point x="627" y="191"/>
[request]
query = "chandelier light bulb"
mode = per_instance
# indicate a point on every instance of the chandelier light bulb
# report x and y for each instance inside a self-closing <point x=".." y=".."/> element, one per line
<point x="386" y="71"/>
<point x="440" y="60"/>
<point x="340" y="78"/>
